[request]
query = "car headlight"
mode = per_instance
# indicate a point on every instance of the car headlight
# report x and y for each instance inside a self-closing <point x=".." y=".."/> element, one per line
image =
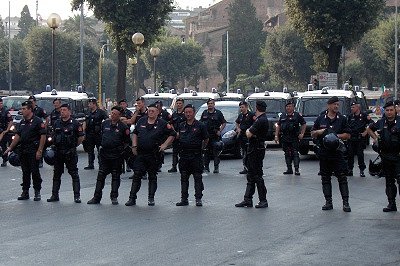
<point x="229" y="134"/>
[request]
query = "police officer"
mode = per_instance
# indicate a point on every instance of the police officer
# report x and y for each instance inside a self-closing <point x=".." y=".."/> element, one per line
<point x="126" y="118"/>
<point x="244" y="121"/>
<point x="332" y="159"/>
<point x="255" y="156"/>
<point x="67" y="135"/>
<point x="388" y="142"/>
<point x="92" y="126"/>
<point x="141" y="110"/>
<point x="163" y="113"/>
<point x="177" y="118"/>
<point x="289" y="131"/>
<point x="114" y="139"/>
<point x="5" y="125"/>
<point x="56" y="113"/>
<point x="41" y="113"/>
<point x="31" y="137"/>
<point x="147" y="143"/>
<point x="192" y="137"/>
<point x="358" y="122"/>
<point x="215" y="123"/>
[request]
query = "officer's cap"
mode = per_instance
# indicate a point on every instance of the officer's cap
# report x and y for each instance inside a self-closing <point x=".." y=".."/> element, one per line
<point x="92" y="100"/>
<point x="122" y="101"/>
<point x="26" y="103"/>
<point x="397" y="102"/>
<point x="289" y="102"/>
<point x="158" y="102"/>
<point x="333" y="99"/>
<point x="152" y="105"/>
<point x="243" y="103"/>
<point x="388" y="104"/>
<point x="140" y="99"/>
<point x="180" y="100"/>
<point x="119" y="109"/>
<point x="353" y="103"/>
<point x="210" y="99"/>
<point x="261" y="106"/>
<point x="190" y="106"/>
<point x="56" y="99"/>
<point x="66" y="105"/>
<point x="32" y="98"/>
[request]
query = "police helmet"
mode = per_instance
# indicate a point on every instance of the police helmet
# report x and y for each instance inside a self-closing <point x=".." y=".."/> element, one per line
<point x="13" y="158"/>
<point x="375" y="167"/>
<point x="49" y="156"/>
<point x="375" y="147"/>
<point x="331" y="141"/>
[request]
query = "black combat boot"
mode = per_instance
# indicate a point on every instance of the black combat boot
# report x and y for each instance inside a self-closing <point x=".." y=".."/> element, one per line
<point x="328" y="204"/>
<point x="152" y="191"/>
<point x="114" y="201"/>
<point x="245" y="203"/>
<point x="94" y="200"/>
<point x="91" y="162"/>
<point x="24" y="195"/>
<point x="37" y="197"/>
<point x="130" y="202"/>
<point x="296" y="162"/>
<point x="199" y="203"/>
<point x="76" y="186"/>
<point x="183" y="202"/>
<point x="346" y="205"/>
<point x="4" y="164"/>
<point x="288" y="161"/>
<point x="174" y="164"/>
<point x="248" y="196"/>
<point x="262" y="204"/>
<point x="54" y="192"/>
<point x="216" y="165"/>
<point x="391" y="206"/>
<point x="344" y="191"/>
<point x="53" y="198"/>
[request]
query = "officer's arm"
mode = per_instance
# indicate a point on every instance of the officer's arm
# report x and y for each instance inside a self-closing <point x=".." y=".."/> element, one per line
<point x="84" y="125"/>
<point x="166" y="143"/>
<point x="277" y="130"/>
<point x="302" y="130"/>
<point x="372" y="134"/>
<point x="237" y="128"/>
<point x="41" y="146"/>
<point x="46" y="121"/>
<point x="249" y="134"/>
<point x="9" y="126"/>
<point x="222" y="127"/>
<point x="344" y="136"/>
<point x="13" y="144"/>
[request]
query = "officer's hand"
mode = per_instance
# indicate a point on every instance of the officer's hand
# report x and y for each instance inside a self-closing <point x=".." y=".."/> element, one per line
<point x="218" y="133"/>
<point x="38" y="155"/>
<point x="7" y="151"/>
<point x="301" y="136"/>
<point x="364" y="133"/>
<point x="163" y="147"/>
<point x="276" y="139"/>
<point x="134" y="150"/>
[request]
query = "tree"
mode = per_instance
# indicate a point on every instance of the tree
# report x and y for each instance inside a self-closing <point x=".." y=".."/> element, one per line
<point x="287" y="60"/>
<point x="331" y="24"/>
<point x="18" y="64"/>
<point x="123" y="19"/>
<point x="2" y="30"/>
<point x="246" y="39"/>
<point x="25" y="23"/>
<point x="73" y="25"/>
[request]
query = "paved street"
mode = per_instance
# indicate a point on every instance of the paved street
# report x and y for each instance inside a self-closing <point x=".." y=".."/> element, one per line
<point x="293" y="230"/>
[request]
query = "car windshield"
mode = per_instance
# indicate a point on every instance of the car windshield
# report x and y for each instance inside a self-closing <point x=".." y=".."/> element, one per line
<point x="230" y="112"/>
<point x="195" y="102"/>
<point x="314" y="106"/>
<point x="166" y="101"/>
<point x="274" y="106"/>
<point x="13" y="104"/>
<point x="47" y="103"/>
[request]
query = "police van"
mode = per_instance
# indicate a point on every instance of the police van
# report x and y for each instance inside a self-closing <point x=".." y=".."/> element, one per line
<point x="276" y="102"/>
<point x="165" y="97"/>
<point x="232" y="96"/>
<point x="312" y="103"/>
<point x="196" y="98"/>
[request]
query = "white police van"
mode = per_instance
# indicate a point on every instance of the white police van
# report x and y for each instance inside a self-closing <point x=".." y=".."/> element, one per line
<point x="197" y="99"/>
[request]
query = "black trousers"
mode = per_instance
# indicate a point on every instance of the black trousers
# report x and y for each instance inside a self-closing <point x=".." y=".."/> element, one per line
<point x="291" y="150"/>
<point x="338" y="166"/>
<point x="190" y="163"/>
<point x="70" y="161"/>
<point x="255" y="158"/>
<point x="92" y="141"/>
<point x="356" y="148"/>
<point x="3" y="145"/>
<point x="109" y="166"/>
<point x="30" y="167"/>
<point x="212" y="151"/>
<point x="145" y="162"/>
<point x="243" y="142"/>
<point x="391" y="169"/>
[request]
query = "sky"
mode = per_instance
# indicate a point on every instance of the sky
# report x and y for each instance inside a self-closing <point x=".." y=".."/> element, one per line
<point x="63" y="7"/>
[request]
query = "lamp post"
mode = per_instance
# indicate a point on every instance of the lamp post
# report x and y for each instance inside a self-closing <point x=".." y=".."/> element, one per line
<point x="53" y="22"/>
<point x="396" y="61"/>
<point x="138" y="40"/>
<point x="155" y="51"/>
<point x="133" y="62"/>
<point x="101" y="60"/>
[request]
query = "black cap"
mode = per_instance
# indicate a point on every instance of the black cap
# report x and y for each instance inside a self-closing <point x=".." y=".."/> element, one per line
<point x="289" y="102"/>
<point x="152" y="105"/>
<point x="26" y="103"/>
<point x="243" y="103"/>
<point x="56" y="99"/>
<point x="210" y="99"/>
<point x="397" y="102"/>
<point x="353" y="103"/>
<point x="32" y="98"/>
<point x="333" y="99"/>
<point x="122" y="101"/>
<point x="159" y="102"/>
<point x="180" y="100"/>
<point x="92" y="100"/>
<point x="140" y="98"/>
<point x="119" y="109"/>
<point x="388" y="104"/>
<point x="261" y="106"/>
<point x="66" y="105"/>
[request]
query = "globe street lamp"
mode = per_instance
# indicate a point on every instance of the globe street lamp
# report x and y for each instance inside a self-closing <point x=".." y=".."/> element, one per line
<point x="138" y="40"/>
<point x="155" y="51"/>
<point x="133" y="62"/>
<point x="53" y="22"/>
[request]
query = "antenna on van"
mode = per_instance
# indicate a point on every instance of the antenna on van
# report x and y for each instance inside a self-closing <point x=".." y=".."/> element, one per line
<point x="310" y="87"/>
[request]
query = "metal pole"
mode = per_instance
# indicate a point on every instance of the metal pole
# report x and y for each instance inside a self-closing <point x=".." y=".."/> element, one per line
<point x="227" y="61"/>
<point x="82" y="32"/>
<point x="155" y="77"/>
<point x="395" y="55"/>
<point x="137" y="71"/>
<point x="100" y="65"/>
<point x="52" y="59"/>
<point x="9" y="49"/>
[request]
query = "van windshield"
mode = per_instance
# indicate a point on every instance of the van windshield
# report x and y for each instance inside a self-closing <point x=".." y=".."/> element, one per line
<point x="274" y="106"/>
<point x="13" y="104"/>
<point x="166" y="101"/>
<point x="314" y="106"/>
<point x="47" y="103"/>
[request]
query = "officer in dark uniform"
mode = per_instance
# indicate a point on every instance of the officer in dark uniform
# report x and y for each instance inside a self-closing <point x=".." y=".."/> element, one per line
<point x="41" y="113"/>
<point x="92" y="127"/>
<point x="163" y="113"/>
<point x="255" y="156"/>
<point x="332" y="160"/>
<point x="147" y="143"/>
<point x="177" y="118"/>
<point x="388" y="142"/>
<point x="215" y="123"/>
<point x="192" y="137"/>
<point x="6" y="122"/>
<point x="31" y="137"/>
<point x="244" y="122"/>
<point x="358" y="122"/>
<point x="289" y="131"/>
<point x="67" y="135"/>
<point x="141" y="110"/>
<point x="56" y="113"/>
<point x="126" y="118"/>
<point x="115" y="137"/>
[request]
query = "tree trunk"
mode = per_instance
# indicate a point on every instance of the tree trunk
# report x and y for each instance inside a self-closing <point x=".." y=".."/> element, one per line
<point x="121" y="76"/>
<point x="334" y="52"/>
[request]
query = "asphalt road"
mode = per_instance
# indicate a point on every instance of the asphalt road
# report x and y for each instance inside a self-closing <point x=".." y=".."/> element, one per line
<point x="293" y="230"/>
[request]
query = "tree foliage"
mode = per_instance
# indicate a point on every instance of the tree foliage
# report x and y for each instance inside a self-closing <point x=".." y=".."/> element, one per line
<point x="123" y="19"/>
<point x="287" y="60"/>
<point x="2" y="29"/>
<point x="73" y="24"/>
<point x="25" y="23"/>
<point x="328" y="25"/>
<point x="246" y="39"/>
<point x="18" y="64"/>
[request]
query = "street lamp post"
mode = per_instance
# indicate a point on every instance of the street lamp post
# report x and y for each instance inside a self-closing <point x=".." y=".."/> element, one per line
<point x="155" y="51"/>
<point x="138" y="40"/>
<point x="133" y="62"/>
<point x="53" y="22"/>
<point x="101" y="59"/>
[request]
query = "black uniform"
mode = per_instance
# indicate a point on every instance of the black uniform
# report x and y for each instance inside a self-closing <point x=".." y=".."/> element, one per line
<point x="176" y="119"/>
<point x="127" y="114"/>
<point x="357" y="143"/>
<point x="149" y="139"/>
<point x="5" y="119"/>
<point x="54" y="116"/>
<point x="30" y="132"/>
<point x="65" y="136"/>
<point x="140" y="115"/>
<point x="191" y="139"/>
<point x="245" y="121"/>
<point x="289" y="138"/>
<point x="165" y="115"/>
<point x="40" y="112"/>
<point x="389" y="150"/>
<point x="255" y="157"/>
<point x="213" y="122"/>
<point x="332" y="161"/>
<point x="93" y="133"/>
<point x="115" y="137"/>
